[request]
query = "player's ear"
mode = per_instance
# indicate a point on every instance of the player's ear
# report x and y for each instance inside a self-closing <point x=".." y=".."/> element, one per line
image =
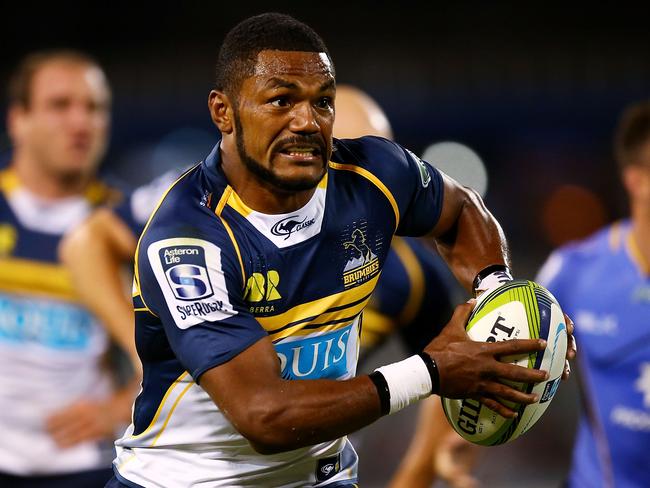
<point x="221" y="111"/>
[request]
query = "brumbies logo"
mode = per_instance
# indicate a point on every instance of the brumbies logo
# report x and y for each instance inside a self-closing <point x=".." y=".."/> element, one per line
<point x="186" y="272"/>
<point x="289" y="225"/>
<point x="363" y="263"/>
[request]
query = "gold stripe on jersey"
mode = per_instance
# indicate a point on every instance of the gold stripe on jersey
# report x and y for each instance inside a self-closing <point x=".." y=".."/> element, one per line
<point x="96" y="192"/>
<point x="233" y="200"/>
<point x="8" y="180"/>
<point x="374" y="180"/>
<point x="327" y="313"/>
<point x="35" y="277"/>
<point x="137" y="247"/>
<point x="218" y="210"/>
<point x="171" y="412"/>
<point x="416" y="279"/>
<point x="168" y="393"/>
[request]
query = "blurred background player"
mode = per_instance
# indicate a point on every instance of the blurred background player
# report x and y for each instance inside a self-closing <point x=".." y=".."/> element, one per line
<point x="59" y="408"/>
<point x="604" y="282"/>
<point x="414" y="298"/>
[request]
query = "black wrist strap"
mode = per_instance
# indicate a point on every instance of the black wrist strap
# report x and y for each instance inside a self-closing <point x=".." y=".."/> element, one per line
<point x="382" y="389"/>
<point x="493" y="268"/>
<point x="432" y="367"/>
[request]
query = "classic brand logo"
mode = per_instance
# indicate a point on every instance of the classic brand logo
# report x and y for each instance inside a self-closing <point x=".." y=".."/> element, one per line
<point x="363" y="263"/>
<point x="186" y="272"/>
<point x="289" y="225"/>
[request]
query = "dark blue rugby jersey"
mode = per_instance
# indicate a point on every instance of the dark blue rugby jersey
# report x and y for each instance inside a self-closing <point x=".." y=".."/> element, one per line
<point x="214" y="276"/>
<point x="218" y="283"/>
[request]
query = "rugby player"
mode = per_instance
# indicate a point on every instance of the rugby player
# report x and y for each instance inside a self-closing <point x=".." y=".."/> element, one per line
<point x="604" y="281"/>
<point x="59" y="405"/>
<point x="252" y="274"/>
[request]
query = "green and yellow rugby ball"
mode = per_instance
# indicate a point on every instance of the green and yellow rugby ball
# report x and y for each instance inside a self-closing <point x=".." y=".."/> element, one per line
<point x="519" y="309"/>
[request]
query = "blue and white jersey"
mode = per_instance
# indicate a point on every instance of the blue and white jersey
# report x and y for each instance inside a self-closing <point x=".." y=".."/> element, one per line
<point x="51" y="348"/>
<point x="604" y="285"/>
<point x="214" y="276"/>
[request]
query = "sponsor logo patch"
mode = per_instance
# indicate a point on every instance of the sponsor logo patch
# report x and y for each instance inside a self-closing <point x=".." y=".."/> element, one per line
<point x="186" y="272"/>
<point x="425" y="176"/>
<point x="190" y="276"/>
<point x="328" y="467"/>
<point x="320" y="356"/>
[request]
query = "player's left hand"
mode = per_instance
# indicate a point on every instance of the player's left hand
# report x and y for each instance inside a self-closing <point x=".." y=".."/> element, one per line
<point x="572" y="348"/>
<point x="86" y="420"/>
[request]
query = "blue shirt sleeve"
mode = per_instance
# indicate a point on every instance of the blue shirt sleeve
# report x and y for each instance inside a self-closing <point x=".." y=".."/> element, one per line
<point x="195" y="287"/>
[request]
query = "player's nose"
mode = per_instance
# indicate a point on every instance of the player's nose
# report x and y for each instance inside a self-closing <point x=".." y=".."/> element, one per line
<point x="304" y="119"/>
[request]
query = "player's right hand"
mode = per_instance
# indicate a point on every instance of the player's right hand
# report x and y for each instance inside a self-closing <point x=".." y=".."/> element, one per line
<point x="471" y="369"/>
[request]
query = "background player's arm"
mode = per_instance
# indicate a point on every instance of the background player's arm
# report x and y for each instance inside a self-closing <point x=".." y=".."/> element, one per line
<point x="436" y="452"/>
<point x="279" y="415"/>
<point x="94" y="254"/>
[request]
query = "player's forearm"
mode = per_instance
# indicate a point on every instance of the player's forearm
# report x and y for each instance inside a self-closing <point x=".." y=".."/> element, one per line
<point x="278" y="415"/>
<point x="474" y="241"/>
<point x="287" y="415"/>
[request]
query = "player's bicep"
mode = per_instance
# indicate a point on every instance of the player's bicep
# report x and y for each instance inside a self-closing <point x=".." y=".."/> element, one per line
<point x="454" y="198"/>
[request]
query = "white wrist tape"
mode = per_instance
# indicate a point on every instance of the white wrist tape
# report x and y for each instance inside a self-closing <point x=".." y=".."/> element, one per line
<point x="408" y="381"/>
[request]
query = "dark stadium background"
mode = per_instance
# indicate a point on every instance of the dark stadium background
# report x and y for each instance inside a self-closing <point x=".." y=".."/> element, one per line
<point x="535" y="90"/>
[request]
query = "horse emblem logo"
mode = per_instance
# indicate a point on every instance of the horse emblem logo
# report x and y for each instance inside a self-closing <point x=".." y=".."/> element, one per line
<point x="363" y="263"/>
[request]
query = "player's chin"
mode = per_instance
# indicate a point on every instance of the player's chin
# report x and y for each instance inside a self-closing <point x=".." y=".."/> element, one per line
<point x="300" y="180"/>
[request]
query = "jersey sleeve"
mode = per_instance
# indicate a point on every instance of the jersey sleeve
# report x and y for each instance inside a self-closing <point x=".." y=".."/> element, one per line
<point x="414" y="186"/>
<point x="194" y="285"/>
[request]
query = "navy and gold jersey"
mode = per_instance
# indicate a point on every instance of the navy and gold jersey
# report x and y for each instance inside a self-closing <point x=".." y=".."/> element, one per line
<point x="214" y="276"/>
<point x="51" y="347"/>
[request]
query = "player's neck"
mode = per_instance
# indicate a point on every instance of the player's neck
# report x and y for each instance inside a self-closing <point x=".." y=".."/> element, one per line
<point x="46" y="184"/>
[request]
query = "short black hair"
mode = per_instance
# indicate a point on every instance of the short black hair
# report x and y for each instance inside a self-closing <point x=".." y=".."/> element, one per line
<point x="267" y="31"/>
<point x="632" y="133"/>
<point x="20" y="82"/>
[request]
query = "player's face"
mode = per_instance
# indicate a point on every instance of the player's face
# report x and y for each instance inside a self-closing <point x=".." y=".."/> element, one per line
<point x="284" y="119"/>
<point x="64" y="129"/>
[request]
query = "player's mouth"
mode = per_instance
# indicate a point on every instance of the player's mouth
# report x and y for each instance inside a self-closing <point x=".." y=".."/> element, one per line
<point x="302" y="152"/>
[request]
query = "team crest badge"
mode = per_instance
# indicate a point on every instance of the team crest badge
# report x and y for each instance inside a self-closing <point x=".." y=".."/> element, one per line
<point x="362" y="263"/>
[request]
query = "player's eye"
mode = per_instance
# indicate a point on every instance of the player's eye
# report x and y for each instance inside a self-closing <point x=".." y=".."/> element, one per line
<point x="280" y="102"/>
<point x="324" y="103"/>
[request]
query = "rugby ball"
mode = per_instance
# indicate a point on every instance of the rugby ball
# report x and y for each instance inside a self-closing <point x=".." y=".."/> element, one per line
<point x="519" y="309"/>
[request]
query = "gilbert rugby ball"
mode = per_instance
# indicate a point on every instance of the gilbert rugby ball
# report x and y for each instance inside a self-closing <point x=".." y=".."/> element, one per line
<point x="516" y="310"/>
